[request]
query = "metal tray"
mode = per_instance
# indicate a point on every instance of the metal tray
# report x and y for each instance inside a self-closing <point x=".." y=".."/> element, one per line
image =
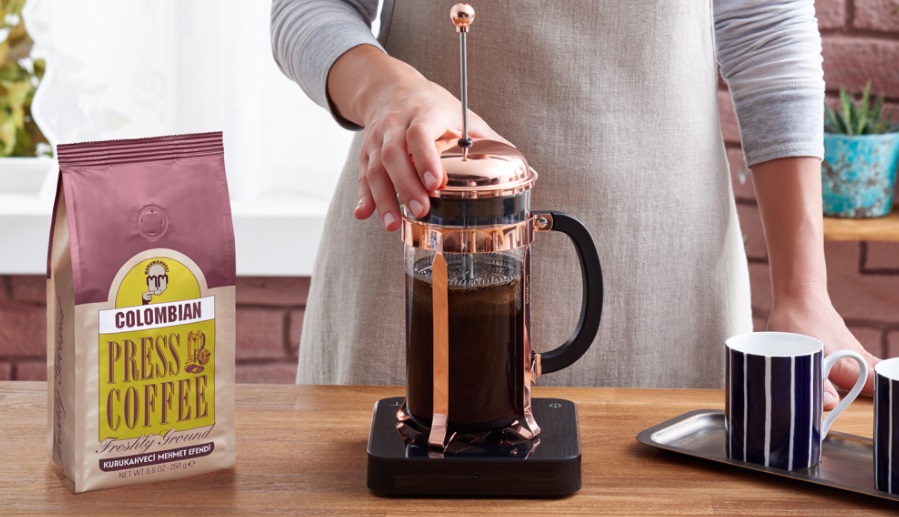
<point x="847" y="461"/>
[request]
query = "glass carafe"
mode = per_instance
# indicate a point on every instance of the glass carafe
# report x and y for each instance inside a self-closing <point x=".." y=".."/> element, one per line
<point x="469" y="362"/>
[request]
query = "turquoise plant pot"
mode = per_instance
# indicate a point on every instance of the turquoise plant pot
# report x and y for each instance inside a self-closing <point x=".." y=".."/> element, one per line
<point x="858" y="174"/>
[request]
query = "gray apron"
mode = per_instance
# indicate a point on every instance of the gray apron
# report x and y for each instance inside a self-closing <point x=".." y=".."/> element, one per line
<point x="615" y="105"/>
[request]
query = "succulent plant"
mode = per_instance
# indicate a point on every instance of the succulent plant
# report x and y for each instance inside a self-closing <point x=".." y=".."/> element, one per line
<point x="858" y="117"/>
<point x="20" y="75"/>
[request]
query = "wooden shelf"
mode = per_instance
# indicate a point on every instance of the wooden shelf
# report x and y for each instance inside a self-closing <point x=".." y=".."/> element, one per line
<point x="875" y="229"/>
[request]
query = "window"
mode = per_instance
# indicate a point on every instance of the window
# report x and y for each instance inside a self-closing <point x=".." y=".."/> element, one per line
<point x="149" y="67"/>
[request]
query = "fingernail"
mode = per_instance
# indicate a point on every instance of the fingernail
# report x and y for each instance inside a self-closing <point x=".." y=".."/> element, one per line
<point x="359" y="205"/>
<point x="417" y="208"/>
<point x="389" y="219"/>
<point x="430" y="180"/>
<point x="829" y="398"/>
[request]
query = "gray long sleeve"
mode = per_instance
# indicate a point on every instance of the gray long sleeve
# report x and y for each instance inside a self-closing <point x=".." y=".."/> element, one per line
<point x="770" y="56"/>
<point x="309" y="35"/>
<point x="769" y="52"/>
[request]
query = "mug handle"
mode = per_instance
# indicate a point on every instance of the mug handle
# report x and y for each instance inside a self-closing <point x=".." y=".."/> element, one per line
<point x="591" y="301"/>
<point x="829" y="361"/>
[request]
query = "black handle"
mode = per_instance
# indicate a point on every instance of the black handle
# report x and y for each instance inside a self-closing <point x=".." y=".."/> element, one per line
<point x="591" y="304"/>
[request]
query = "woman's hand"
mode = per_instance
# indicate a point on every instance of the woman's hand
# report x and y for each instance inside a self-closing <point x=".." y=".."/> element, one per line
<point x="403" y="115"/>
<point x="815" y="316"/>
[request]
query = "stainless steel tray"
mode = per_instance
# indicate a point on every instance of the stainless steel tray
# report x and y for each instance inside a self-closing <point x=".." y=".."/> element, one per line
<point x="847" y="461"/>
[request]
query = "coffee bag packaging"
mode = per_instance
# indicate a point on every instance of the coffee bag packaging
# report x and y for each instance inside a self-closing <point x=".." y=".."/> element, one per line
<point x="140" y="306"/>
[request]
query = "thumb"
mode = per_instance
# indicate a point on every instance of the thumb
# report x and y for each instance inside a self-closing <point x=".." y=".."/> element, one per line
<point x="830" y="396"/>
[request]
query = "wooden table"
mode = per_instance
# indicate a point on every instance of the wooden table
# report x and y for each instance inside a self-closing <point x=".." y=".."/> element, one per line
<point x="302" y="450"/>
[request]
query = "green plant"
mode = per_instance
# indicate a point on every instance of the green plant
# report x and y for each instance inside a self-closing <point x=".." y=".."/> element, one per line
<point x="861" y="117"/>
<point x="20" y="76"/>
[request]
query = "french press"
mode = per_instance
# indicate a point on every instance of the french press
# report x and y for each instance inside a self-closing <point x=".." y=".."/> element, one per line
<point x="469" y="360"/>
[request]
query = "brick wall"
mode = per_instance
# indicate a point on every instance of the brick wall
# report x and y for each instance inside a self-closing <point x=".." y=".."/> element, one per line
<point x="269" y="321"/>
<point x="861" y="42"/>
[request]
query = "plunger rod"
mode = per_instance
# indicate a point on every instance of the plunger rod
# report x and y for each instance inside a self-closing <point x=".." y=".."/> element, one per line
<point x="463" y="60"/>
<point x="463" y="16"/>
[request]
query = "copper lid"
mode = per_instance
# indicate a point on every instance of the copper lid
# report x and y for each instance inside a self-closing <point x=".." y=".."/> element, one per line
<point x="487" y="169"/>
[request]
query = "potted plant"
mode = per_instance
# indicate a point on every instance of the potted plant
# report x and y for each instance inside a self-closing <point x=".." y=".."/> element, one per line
<point x="861" y="151"/>
<point x="24" y="150"/>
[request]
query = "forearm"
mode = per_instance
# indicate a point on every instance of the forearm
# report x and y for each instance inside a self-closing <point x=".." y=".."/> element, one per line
<point x="363" y="78"/>
<point x="789" y="197"/>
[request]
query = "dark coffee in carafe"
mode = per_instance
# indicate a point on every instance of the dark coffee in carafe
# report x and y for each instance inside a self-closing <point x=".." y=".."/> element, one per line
<point x="486" y="336"/>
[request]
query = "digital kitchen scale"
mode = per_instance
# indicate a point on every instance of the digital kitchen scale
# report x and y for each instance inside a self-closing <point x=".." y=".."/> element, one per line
<point x="547" y="466"/>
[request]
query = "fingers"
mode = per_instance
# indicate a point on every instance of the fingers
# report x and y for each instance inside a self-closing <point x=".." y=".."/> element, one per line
<point x="872" y="361"/>
<point x="420" y="139"/>
<point x="376" y="191"/>
<point x="402" y="174"/>
<point x="830" y="396"/>
<point x="429" y="127"/>
<point x="366" y="205"/>
<point x="845" y="372"/>
<point x="385" y="197"/>
<point x="387" y="171"/>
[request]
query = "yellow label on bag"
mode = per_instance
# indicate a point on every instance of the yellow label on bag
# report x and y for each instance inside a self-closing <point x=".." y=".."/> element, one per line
<point x="157" y="354"/>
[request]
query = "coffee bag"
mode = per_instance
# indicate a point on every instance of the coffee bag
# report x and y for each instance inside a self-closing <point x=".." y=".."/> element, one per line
<point x="140" y="311"/>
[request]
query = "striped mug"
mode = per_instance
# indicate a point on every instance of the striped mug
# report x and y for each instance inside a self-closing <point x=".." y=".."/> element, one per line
<point x="886" y="426"/>
<point x="773" y="402"/>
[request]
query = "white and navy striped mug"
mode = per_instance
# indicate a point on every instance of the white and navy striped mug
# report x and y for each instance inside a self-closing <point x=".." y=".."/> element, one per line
<point x="886" y="426"/>
<point x="775" y="382"/>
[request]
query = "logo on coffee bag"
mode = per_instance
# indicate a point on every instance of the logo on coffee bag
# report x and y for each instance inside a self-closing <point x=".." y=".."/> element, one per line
<point x="157" y="280"/>
<point x="156" y="349"/>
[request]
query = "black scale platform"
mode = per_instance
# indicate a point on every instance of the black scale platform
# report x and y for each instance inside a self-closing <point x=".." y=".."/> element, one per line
<point x="548" y="468"/>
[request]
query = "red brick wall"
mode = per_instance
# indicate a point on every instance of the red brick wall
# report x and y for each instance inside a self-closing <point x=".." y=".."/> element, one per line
<point x="861" y="42"/>
<point x="269" y="321"/>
